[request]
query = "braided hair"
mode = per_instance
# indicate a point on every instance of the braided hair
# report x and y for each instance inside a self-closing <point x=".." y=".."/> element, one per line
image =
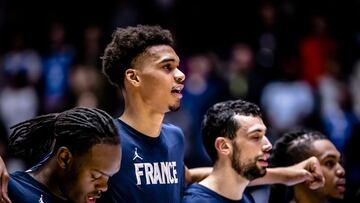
<point x="293" y="147"/>
<point x="78" y="129"/>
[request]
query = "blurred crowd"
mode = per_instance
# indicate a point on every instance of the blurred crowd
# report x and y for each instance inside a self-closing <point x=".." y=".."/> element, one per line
<point x="294" y="63"/>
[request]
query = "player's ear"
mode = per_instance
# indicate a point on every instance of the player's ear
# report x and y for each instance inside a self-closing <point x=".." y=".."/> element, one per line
<point x="131" y="75"/>
<point x="64" y="157"/>
<point x="223" y="146"/>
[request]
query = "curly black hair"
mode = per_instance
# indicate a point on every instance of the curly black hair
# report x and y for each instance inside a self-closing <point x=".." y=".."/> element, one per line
<point x="219" y="122"/>
<point x="128" y="43"/>
<point x="77" y="129"/>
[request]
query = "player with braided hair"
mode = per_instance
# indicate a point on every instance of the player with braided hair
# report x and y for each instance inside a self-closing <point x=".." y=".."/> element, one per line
<point x="299" y="145"/>
<point x="76" y="151"/>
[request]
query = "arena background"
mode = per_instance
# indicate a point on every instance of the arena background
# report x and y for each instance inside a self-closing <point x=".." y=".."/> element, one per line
<point x="297" y="59"/>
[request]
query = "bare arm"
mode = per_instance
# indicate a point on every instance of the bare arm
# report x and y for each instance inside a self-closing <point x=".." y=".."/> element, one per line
<point x="308" y="170"/>
<point x="4" y="183"/>
<point x="196" y="174"/>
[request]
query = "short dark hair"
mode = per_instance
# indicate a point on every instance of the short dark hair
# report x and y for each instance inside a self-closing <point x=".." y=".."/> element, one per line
<point x="128" y="43"/>
<point x="219" y="122"/>
<point x="78" y="129"/>
<point x="294" y="146"/>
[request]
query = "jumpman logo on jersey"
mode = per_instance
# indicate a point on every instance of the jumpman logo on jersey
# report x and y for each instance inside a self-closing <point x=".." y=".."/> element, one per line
<point x="136" y="155"/>
<point x="41" y="200"/>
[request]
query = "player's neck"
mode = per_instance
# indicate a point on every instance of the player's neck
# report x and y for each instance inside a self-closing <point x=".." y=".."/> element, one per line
<point x="304" y="195"/>
<point x="46" y="175"/>
<point x="226" y="182"/>
<point x="148" y="123"/>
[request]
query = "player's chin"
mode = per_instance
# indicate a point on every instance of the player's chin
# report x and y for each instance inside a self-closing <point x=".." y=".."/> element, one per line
<point x="339" y="195"/>
<point x="174" y="107"/>
<point x="262" y="171"/>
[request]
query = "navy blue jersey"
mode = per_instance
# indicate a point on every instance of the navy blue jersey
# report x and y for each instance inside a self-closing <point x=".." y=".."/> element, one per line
<point x="199" y="193"/>
<point x="152" y="169"/>
<point x="25" y="189"/>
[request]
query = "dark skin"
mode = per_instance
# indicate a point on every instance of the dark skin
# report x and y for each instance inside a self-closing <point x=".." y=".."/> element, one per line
<point x="334" y="174"/>
<point x="81" y="178"/>
<point x="4" y="183"/>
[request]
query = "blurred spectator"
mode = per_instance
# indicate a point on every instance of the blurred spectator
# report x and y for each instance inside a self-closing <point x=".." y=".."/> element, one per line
<point x="21" y="72"/>
<point x="265" y="56"/>
<point x="336" y="108"/>
<point x="92" y="49"/>
<point x="22" y="59"/>
<point x="85" y="86"/>
<point x="56" y="69"/>
<point x="88" y="85"/>
<point x="241" y="63"/>
<point x="287" y="102"/>
<point x="317" y="50"/>
<point x="354" y="88"/>
<point x="18" y="100"/>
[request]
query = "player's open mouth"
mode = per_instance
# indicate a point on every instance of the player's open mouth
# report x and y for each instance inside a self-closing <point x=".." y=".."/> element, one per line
<point x="177" y="91"/>
<point x="340" y="185"/>
<point x="263" y="162"/>
<point x="91" y="198"/>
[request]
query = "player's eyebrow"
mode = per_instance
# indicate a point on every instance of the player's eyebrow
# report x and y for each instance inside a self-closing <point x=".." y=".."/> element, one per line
<point x="256" y="129"/>
<point x="103" y="173"/>
<point x="165" y="60"/>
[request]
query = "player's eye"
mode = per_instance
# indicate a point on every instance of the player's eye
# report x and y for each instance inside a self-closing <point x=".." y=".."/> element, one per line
<point x="95" y="176"/>
<point x="330" y="163"/>
<point x="168" y="67"/>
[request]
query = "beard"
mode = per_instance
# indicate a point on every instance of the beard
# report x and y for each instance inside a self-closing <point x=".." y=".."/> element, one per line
<point x="69" y="180"/>
<point x="175" y="107"/>
<point x="248" y="170"/>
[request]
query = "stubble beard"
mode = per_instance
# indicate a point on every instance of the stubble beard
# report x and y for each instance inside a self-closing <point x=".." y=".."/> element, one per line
<point x="249" y="170"/>
<point x="175" y="107"/>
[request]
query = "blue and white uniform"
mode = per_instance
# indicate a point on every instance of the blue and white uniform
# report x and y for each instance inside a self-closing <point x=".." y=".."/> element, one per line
<point x="25" y="189"/>
<point x="199" y="193"/>
<point x="152" y="169"/>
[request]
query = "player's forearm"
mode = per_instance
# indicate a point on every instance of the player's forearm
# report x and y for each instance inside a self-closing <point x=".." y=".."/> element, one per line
<point x="308" y="169"/>
<point x="273" y="176"/>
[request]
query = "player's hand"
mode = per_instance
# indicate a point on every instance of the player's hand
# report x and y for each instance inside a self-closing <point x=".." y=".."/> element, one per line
<point x="308" y="171"/>
<point x="4" y="183"/>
